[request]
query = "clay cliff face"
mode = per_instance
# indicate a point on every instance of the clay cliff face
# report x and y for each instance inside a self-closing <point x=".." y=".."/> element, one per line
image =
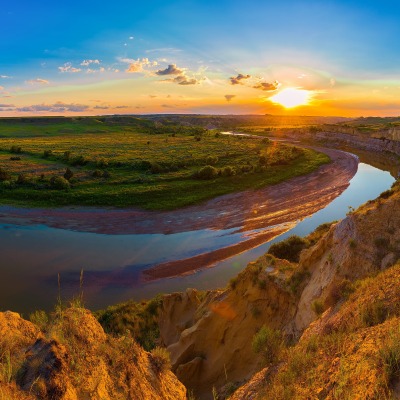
<point x="72" y="358"/>
<point x="209" y="336"/>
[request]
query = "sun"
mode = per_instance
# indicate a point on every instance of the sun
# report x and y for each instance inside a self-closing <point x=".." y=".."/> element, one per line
<point x="292" y="97"/>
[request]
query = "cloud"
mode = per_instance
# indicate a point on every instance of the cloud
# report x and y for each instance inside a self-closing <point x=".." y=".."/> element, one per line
<point x="56" y="107"/>
<point x="1" y="87"/>
<point x="6" y="105"/>
<point x="131" y="38"/>
<point x="5" y="77"/>
<point x="122" y="107"/>
<point x="172" y="69"/>
<point x="229" y="97"/>
<point x="266" y="86"/>
<point x="93" y="71"/>
<point x="237" y="80"/>
<point x="86" y="63"/>
<point x="164" y="50"/>
<point x="101" y="107"/>
<point x="137" y="65"/>
<point x="38" y="80"/>
<point x="167" y="106"/>
<point x="184" y="80"/>
<point x="68" y="68"/>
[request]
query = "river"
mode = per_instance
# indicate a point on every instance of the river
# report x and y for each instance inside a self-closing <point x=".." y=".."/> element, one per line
<point x="33" y="255"/>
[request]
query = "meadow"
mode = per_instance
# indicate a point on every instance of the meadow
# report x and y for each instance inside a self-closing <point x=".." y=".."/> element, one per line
<point x="130" y="161"/>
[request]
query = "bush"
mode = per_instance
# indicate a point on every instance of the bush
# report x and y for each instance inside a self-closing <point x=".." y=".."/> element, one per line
<point x="68" y="174"/>
<point x="317" y="306"/>
<point x="212" y="160"/>
<point x="22" y="179"/>
<point x="106" y="174"/>
<point x="102" y="163"/>
<point x="97" y="173"/>
<point x="228" y="171"/>
<point x="59" y="183"/>
<point x="16" y="149"/>
<point x="6" y="184"/>
<point x="47" y="153"/>
<point x="79" y="160"/>
<point x="15" y="158"/>
<point x="67" y="155"/>
<point x="161" y="360"/>
<point x="4" y="175"/>
<point x="267" y="342"/>
<point x="390" y="356"/>
<point x="289" y="249"/>
<point x="207" y="172"/>
<point x="262" y="160"/>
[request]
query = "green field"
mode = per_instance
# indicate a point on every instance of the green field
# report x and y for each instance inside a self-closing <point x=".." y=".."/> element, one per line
<point x="132" y="161"/>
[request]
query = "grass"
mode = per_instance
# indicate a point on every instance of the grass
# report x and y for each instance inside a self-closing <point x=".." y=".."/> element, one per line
<point x="136" y="163"/>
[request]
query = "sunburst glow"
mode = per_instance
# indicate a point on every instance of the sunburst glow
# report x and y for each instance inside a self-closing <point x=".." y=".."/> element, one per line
<point x="292" y="97"/>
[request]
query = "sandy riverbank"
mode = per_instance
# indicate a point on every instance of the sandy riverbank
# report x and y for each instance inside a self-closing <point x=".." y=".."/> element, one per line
<point x="259" y="210"/>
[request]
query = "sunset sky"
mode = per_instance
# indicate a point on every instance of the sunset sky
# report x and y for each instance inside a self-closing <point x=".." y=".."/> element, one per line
<point x="130" y="57"/>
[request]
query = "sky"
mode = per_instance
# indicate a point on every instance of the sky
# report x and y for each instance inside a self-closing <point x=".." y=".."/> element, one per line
<point x="337" y="58"/>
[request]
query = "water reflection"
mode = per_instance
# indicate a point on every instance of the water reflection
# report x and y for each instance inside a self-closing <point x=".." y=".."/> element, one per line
<point x="32" y="256"/>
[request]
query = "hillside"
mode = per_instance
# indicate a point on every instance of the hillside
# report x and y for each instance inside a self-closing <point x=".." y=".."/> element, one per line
<point x="323" y="323"/>
<point x="69" y="357"/>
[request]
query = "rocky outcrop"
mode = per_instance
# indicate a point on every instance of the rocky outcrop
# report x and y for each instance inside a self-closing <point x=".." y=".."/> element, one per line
<point x="212" y="345"/>
<point x="364" y="243"/>
<point x="74" y="359"/>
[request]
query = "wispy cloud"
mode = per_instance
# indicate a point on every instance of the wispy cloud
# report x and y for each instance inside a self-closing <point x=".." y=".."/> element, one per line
<point x="237" y="80"/>
<point x="164" y="50"/>
<point x="86" y="63"/>
<point x="67" y="67"/>
<point x="56" y="107"/>
<point x="5" y="77"/>
<point x="38" y="81"/>
<point x="229" y="97"/>
<point x="6" y="105"/>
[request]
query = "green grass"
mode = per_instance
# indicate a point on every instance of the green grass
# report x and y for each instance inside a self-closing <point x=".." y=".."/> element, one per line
<point x="146" y="165"/>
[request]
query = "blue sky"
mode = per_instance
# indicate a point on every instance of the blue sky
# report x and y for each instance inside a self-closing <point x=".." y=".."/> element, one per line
<point x="346" y="53"/>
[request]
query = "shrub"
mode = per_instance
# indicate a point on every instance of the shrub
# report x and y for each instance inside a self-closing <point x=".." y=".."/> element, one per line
<point x="207" y="172"/>
<point x="102" y="163"/>
<point x="228" y="171"/>
<point x="59" y="183"/>
<point x="267" y="342"/>
<point x="67" y="155"/>
<point x="297" y="279"/>
<point x="6" y="184"/>
<point x="161" y="360"/>
<point x="15" y="158"/>
<point x="156" y="168"/>
<point x="373" y="313"/>
<point x="262" y="160"/>
<point x="16" y="149"/>
<point x="68" y="174"/>
<point x="317" y="306"/>
<point x="47" y="153"/>
<point x="106" y="174"/>
<point x="4" y="175"/>
<point x="79" y="160"/>
<point x="97" y="173"/>
<point x="289" y="249"/>
<point x="39" y="318"/>
<point x="390" y="356"/>
<point x="212" y="160"/>
<point x="22" y="179"/>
